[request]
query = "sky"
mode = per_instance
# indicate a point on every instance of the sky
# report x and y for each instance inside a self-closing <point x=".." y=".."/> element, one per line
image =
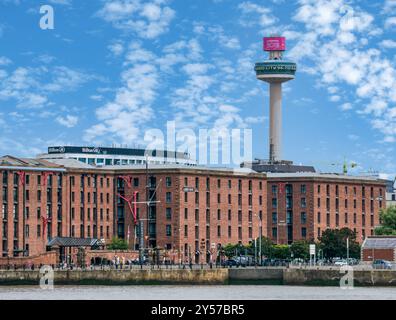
<point x="111" y="71"/>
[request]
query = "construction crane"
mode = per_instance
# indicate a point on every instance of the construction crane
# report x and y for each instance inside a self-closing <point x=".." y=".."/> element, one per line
<point x="345" y="165"/>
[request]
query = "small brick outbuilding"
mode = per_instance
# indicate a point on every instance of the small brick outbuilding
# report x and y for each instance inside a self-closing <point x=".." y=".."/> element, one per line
<point x="379" y="247"/>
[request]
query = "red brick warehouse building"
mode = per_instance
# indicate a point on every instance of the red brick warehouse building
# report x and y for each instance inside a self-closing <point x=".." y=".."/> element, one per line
<point x="198" y="209"/>
<point x="193" y="209"/>
<point x="41" y="200"/>
<point x="303" y="205"/>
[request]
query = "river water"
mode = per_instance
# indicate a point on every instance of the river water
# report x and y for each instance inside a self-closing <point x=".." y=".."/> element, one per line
<point x="230" y="292"/>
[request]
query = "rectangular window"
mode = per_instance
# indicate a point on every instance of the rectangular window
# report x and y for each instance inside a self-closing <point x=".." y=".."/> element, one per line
<point x="274" y="218"/>
<point x="274" y="233"/>
<point x="303" y="203"/>
<point x="303" y="232"/>
<point x="168" y="230"/>
<point x="168" y="213"/>
<point x="168" y="181"/>
<point x="303" y="188"/>
<point x="303" y="218"/>
<point x="168" y="197"/>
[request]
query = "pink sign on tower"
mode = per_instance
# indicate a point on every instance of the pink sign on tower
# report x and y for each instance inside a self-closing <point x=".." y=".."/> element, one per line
<point x="274" y="44"/>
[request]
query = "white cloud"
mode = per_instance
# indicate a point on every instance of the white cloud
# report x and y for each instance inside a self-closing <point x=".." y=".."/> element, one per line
<point x="61" y="2"/>
<point x="389" y="6"/>
<point x="116" y="48"/>
<point x="132" y="105"/>
<point x="147" y="20"/>
<point x="389" y="44"/>
<point x="346" y="106"/>
<point x="68" y="121"/>
<point x="66" y="79"/>
<point x="4" y="61"/>
<point x="335" y="42"/>
<point x="390" y="22"/>
<point x="254" y="14"/>
<point x="217" y="33"/>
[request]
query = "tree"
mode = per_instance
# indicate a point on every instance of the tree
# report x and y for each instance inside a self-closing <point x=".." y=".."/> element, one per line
<point x="333" y="242"/>
<point x="300" y="249"/>
<point x="118" y="244"/>
<point x="266" y="246"/>
<point x="230" y="250"/>
<point x="281" y="251"/>
<point x="388" y="222"/>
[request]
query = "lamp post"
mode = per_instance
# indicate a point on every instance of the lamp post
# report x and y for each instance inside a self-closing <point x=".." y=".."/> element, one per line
<point x="260" y="235"/>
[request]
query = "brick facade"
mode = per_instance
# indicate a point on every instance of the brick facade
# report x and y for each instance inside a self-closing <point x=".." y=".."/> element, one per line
<point x="193" y="210"/>
<point x="308" y="206"/>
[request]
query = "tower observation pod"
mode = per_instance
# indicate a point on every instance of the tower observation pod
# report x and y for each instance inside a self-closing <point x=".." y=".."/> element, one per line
<point x="275" y="71"/>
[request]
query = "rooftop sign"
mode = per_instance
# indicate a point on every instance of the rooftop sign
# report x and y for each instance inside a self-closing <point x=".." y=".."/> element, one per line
<point x="274" y="44"/>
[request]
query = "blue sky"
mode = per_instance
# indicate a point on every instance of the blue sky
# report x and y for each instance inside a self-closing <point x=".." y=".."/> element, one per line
<point x="113" y="69"/>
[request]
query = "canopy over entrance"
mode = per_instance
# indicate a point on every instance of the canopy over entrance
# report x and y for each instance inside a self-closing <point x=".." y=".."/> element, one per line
<point x="75" y="242"/>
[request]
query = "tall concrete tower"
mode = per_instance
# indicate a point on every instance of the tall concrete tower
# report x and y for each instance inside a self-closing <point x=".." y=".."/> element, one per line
<point x="275" y="71"/>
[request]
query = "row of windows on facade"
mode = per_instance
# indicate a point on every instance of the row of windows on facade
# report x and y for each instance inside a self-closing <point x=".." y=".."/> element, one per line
<point x="15" y="195"/>
<point x="16" y="179"/>
<point x="303" y="203"/>
<point x="208" y="234"/>
<point x="15" y="213"/>
<point x="303" y="218"/>
<point x="59" y="179"/>
<point x="90" y="195"/>
<point x="346" y="219"/>
<point x="219" y="184"/>
<point x="219" y="215"/>
<point x="363" y="232"/>
<point x="303" y="233"/>
<point x="229" y="199"/>
<point x="303" y="190"/>
<point x="337" y="204"/>
<point x="152" y="182"/>
<point x="168" y="214"/>
<point x="168" y="198"/>
<point x="59" y="231"/>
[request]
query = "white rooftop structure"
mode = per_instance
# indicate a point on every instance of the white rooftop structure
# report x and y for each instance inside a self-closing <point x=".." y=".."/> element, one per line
<point x="104" y="156"/>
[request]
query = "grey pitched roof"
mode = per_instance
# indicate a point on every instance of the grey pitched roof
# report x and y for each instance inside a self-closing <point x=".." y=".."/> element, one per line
<point x="380" y="243"/>
<point x="74" y="242"/>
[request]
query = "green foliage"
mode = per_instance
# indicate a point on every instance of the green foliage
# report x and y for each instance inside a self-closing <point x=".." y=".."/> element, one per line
<point x="300" y="249"/>
<point x="266" y="246"/>
<point x="281" y="251"/>
<point x="333" y="242"/>
<point x="229" y="250"/>
<point x="388" y="219"/>
<point x="118" y="244"/>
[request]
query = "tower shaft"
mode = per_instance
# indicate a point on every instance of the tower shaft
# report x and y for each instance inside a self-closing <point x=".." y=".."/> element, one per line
<point x="275" y="127"/>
